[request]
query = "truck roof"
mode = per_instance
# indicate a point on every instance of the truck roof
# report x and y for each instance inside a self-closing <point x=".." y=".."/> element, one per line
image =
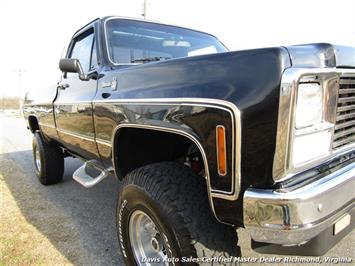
<point x="106" y="18"/>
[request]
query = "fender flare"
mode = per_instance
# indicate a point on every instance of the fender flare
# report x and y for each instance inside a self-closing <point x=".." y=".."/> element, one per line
<point x="180" y="132"/>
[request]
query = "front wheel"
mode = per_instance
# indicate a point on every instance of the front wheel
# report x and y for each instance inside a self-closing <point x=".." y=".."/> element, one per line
<point x="164" y="218"/>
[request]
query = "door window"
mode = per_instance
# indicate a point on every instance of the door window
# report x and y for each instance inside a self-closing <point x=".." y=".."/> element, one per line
<point x="93" y="56"/>
<point x="82" y="50"/>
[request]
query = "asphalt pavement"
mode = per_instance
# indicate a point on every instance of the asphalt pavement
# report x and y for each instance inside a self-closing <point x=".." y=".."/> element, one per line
<point x="75" y="222"/>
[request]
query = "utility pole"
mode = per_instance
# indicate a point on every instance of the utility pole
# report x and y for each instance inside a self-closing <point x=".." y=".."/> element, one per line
<point x="145" y="6"/>
<point x="20" y="74"/>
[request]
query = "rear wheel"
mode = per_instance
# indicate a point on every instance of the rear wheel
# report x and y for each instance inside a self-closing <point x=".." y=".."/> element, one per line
<point x="48" y="160"/>
<point x="163" y="215"/>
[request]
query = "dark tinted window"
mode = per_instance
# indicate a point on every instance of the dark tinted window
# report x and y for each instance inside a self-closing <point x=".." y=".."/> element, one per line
<point x="130" y="40"/>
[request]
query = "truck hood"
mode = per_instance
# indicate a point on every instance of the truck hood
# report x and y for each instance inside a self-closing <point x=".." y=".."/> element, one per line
<point x="322" y="55"/>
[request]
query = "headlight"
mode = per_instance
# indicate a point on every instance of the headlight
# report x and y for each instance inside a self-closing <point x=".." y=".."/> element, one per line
<point x="312" y="134"/>
<point x="309" y="106"/>
<point x="312" y="146"/>
<point x="306" y="121"/>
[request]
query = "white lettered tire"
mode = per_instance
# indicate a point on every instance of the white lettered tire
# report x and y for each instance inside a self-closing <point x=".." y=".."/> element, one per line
<point x="163" y="214"/>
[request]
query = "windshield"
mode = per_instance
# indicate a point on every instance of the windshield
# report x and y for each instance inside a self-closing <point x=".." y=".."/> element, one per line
<point x="131" y="41"/>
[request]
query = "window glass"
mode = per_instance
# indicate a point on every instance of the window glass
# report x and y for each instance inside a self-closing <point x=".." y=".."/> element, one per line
<point x="204" y="50"/>
<point x="93" y="56"/>
<point x="131" y="41"/>
<point x="82" y="50"/>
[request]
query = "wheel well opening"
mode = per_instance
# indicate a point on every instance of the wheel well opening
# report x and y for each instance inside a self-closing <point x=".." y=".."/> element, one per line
<point x="33" y="123"/>
<point x="136" y="147"/>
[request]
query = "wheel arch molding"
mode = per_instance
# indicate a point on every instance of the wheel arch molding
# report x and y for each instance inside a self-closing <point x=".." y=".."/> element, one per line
<point x="195" y="121"/>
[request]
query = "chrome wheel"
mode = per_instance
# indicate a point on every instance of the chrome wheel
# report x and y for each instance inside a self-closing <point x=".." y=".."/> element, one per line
<point x="147" y="243"/>
<point x="37" y="159"/>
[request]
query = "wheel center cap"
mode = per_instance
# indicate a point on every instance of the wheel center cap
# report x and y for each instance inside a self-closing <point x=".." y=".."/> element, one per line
<point x="155" y="244"/>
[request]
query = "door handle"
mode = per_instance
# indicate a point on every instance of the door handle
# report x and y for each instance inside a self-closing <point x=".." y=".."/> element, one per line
<point x="105" y="95"/>
<point x="63" y="86"/>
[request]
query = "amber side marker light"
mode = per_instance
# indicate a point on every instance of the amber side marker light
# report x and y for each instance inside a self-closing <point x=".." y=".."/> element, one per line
<point x="221" y="150"/>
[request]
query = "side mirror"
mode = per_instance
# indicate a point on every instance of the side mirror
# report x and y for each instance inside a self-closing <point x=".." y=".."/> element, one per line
<point x="72" y="66"/>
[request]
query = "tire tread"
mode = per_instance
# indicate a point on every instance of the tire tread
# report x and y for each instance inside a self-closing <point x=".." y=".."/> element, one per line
<point x="52" y="161"/>
<point x="183" y="196"/>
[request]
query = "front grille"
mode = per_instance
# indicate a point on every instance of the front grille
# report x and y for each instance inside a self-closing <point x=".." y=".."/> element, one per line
<point x="344" y="133"/>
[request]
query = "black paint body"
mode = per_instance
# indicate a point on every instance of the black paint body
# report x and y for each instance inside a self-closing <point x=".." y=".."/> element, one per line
<point x="248" y="79"/>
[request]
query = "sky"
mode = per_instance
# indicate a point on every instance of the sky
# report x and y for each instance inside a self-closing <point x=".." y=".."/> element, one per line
<point x="34" y="33"/>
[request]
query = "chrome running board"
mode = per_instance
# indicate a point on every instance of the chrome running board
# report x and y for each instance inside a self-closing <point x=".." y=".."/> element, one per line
<point x="86" y="180"/>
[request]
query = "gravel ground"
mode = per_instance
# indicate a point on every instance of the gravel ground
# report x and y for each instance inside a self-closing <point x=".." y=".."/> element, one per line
<point x="66" y="224"/>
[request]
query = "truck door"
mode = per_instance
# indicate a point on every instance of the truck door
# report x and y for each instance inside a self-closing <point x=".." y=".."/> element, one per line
<point x="73" y="105"/>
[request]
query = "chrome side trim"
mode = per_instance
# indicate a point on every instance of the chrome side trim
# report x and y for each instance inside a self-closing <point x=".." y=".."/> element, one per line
<point x="212" y="193"/>
<point x="73" y="103"/>
<point x="294" y="217"/>
<point x="174" y="131"/>
<point x="282" y="168"/>
<point x="205" y="102"/>
<point x="164" y="101"/>
<point x="103" y="142"/>
<point x="76" y="135"/>
<point x="46" y="125"/>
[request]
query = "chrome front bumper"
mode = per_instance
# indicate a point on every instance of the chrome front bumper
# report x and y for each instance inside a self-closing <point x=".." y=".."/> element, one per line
<point x="294" y="217"/>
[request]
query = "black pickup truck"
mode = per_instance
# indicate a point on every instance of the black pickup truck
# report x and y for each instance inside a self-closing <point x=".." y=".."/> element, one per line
<point x="204" y="140"/>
